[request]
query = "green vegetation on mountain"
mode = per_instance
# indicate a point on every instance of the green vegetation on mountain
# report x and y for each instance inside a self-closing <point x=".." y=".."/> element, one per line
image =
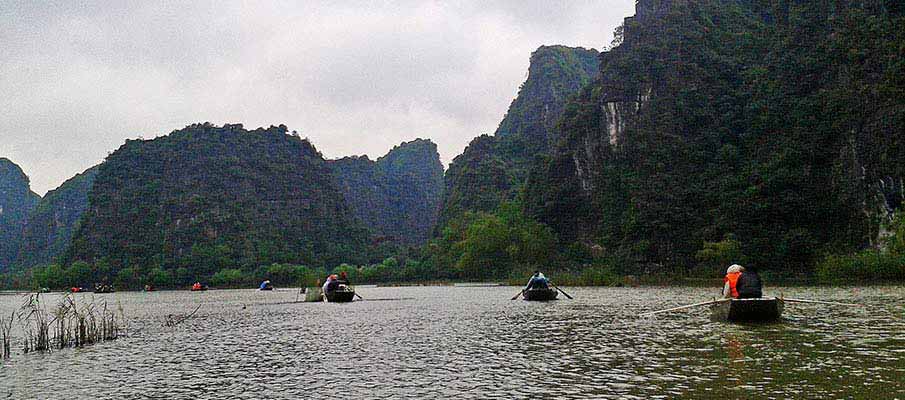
<point x="775" y="124"/>
<point x="16" y="203"/>
<point x="397" y="196"/>
<point x="53" y="222"/>
<point x="480" y="245"/>
<point x="208" y="198"/>
<point x="493" y="169"/>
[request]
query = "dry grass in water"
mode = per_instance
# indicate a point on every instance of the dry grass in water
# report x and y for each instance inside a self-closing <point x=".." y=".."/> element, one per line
<point x="68" y="324"/>
<point x="6" y="334"/>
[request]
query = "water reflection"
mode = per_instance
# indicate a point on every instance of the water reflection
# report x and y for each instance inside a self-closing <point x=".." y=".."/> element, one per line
<point x="462" y="342"/>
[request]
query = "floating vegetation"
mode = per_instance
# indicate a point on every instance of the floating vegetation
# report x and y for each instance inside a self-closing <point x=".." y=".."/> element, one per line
<point x="68" y="324"/>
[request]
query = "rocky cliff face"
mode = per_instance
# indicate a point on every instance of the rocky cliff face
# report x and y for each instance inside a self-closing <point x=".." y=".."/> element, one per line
<point x="398" y="195"/>
<point x="206" y="198"/>
<point x="775" y="123"/>
<point x="555" y="73"/>
<point x="52" y="223"/>
<point x="493" y="168"/>
<point x="16" y="203"/>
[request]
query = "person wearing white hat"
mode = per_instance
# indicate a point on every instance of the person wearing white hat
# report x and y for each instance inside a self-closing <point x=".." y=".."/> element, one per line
<point x="731" y="279"/>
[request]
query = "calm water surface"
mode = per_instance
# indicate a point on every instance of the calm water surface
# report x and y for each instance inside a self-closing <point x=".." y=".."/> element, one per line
<point x="474" y="343"/>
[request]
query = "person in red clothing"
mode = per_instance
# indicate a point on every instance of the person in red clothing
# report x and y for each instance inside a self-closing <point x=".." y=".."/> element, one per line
<point x="731" y="279"/>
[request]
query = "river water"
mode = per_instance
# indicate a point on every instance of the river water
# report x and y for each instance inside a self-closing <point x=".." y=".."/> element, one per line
<point x="474" y="343"/>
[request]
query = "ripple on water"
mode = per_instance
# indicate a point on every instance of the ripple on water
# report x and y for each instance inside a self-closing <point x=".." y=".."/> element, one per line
<point x="474" y="343"/>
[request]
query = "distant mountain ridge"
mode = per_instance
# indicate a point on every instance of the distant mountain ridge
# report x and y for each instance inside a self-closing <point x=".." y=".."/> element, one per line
<point x="206" y="198"/>
<point x="398" y="195"/>
<point x="53" y="222"/>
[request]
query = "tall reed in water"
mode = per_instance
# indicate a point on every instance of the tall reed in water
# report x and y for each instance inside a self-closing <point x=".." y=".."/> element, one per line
<point x="35" y="324"/>
<point x="6" y="334"/>
<point x="70" y="324"/>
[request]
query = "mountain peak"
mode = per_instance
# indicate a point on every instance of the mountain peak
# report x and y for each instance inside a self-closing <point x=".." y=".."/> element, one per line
<point x="16" y="203"/>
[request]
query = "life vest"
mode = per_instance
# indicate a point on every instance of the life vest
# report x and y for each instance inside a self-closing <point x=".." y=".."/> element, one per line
<point x="732" y="278"/>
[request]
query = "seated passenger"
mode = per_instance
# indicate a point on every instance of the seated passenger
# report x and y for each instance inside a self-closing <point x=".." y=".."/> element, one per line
<point x="331" y="284"/>
<point x="538" y="281"/>
<point x="731" y="280"/>
<point x="749" y="285"/>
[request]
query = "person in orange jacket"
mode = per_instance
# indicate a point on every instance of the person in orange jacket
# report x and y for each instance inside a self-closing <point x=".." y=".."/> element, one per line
<point x="731" y="279"/>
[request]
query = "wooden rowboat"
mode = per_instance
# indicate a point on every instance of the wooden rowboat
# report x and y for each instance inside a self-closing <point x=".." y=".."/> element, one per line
<point x="765" y="309"/>
<point x="540" y="294"/>
<point x="342" y="294"/>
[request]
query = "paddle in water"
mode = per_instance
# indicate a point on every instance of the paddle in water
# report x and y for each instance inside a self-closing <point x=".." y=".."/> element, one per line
<point x="560" y="290"/>
<point x="517" y="295"/>
<point x="831" y="303"/>
<point x="684" y="307"/>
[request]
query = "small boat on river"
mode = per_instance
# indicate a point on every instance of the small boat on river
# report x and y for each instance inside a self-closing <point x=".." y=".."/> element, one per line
<point x="540" y="294"/>
<point x="765" y="309"/>
<point x="343" y="293"/>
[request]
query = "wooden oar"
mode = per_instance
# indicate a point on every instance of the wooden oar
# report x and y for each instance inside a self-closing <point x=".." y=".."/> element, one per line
<point x="560" y="290"/>
<point x="684" y="307"/>
<point x="519" y="294"/>
<point x="820" y="302"/>
<point x="359" y="296"/>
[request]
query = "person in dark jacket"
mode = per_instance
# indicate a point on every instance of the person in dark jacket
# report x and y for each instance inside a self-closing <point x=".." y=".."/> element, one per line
<point x="749" y="285"/>
<point x="538" y="281"/>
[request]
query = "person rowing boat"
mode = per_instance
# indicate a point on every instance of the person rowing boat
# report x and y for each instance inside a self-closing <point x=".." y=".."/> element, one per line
<point x="538" y="288"/>
<point x="538" y="281"/>
<point x="742" y="283"/>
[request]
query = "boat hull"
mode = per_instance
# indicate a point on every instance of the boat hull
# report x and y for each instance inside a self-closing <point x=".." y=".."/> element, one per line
<point x="767" y="309"/>
<point x="540" y="294"/>
<point x="340" y="296"/>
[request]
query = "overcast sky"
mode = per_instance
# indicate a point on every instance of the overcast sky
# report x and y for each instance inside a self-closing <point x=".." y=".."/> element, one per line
<point x="77" y="79"/>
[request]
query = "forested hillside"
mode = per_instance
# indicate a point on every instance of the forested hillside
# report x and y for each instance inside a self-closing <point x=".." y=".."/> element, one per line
<point x="769" y="127"/>
<point x="492" y="169"/>
<point x="52" y="223"/>
<point x="398" y="195"/>
<point x="16" y="202"/>
<point x="206" y="198"/>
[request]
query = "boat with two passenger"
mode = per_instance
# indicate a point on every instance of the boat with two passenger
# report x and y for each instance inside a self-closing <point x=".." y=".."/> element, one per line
<point x="337" y="289"/>
<point x="743" y="300"/>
